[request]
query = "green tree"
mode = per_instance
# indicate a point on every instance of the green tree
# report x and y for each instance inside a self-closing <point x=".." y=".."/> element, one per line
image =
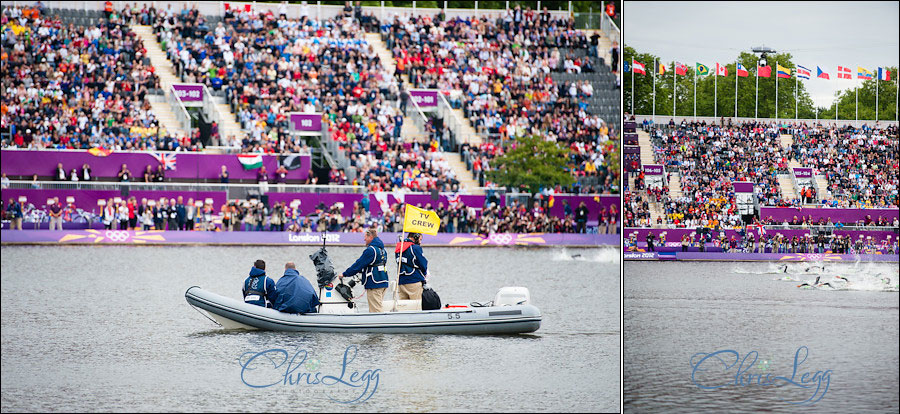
<point x="533" y="163"/>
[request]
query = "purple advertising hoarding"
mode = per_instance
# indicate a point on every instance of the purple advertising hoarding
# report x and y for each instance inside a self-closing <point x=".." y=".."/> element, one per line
<point x="306" y="122"/>
<point x="653" y="169"/>
<point x="630" y="139"/>
<point x="629" y="126"/>
<point x="763" y="257"/>
<point x="803" y="172"/>
<point x="743" y="187"/>
<point x="837" y="215"/>
<point x="154" y="237"/>
<point x="189" y="165"/>
<point x="673" y="236"/>
<point x="424" y="97"/>
<point x="188" y="92"/>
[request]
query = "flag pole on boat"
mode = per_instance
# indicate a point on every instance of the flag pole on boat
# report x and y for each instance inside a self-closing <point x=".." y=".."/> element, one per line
<point x="415" y="220"/>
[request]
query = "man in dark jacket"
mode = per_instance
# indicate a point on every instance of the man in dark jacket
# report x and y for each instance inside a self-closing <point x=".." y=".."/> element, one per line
<point x="259" y="289"/>
<point x="180" y="213"/>
<point x="294" y="292"/>
<point x="581" y="217"/>
<point x="371" y="266"/>
<point x="413" y="266"/>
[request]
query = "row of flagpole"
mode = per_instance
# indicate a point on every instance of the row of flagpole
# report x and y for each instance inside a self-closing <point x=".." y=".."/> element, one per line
<point x="876" y="77"/>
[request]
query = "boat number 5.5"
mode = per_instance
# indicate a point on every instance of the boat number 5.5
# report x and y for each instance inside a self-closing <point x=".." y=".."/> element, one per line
<point x="454" y="315"/>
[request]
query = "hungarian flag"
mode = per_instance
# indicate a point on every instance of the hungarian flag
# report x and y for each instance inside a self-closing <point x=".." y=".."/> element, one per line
<point x="167" y="160"/>
<point x="721" y="70"/>
<point x="99" y="152"/>
<point x="764" y="71"/>
<point x="638" y="67"/>
<point x="661" y="68"/>
<point x="863" y="73"/>
<point x="844" y="73"/>
<point x="821" y="74"/>
<point x="702" y="70"/>
<point x="680" y="69"/>
<point x="884" y="74"/>
<point x="742" y="71"/>
<point x="250" y="161"/>
<point x="783" y="72"/>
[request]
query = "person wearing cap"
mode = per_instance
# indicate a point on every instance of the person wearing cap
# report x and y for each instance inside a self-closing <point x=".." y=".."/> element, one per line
<point x="413" y="266"/>
<point x="259" y="289"/>
<point x="371" y="264"/>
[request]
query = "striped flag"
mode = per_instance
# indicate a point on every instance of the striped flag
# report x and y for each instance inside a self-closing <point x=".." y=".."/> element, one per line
<point x="250" y="161"/>
<point x="821" y="74"/>
<point x="863" y="73"/>
<point x="802" y="72"/>
<point x="783" y="72"/>
<point x="742" y="71"/>
<point x="661" y="68"/>
<point x="638" y="67"/>
<point x="884" y="74"/>
<point x="721" y="70"/>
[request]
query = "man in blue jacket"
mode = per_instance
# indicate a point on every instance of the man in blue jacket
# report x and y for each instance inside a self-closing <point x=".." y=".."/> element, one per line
<point x="413" y="266"/>
<point x="371" y="266"/>
<point x="294" y="292"/>
<point x="259" y="289"/>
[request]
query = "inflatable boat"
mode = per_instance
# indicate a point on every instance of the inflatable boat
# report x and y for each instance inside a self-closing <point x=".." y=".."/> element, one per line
<point x="509" y="313"/>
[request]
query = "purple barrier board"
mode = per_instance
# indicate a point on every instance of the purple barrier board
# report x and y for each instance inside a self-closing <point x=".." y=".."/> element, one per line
<point x="743" y="187"/>
<point x="188" y="92"/>
<point x="803" y="172"/>
<point x="423" y="97"/>
<point x="674" y="235"/>
<point x="87" y="199"/>
<point x="306" y="122"/>
<point x="630" y="139"/>
<point x="629" y="126"/>
<point x="154" y="237"/>
<point x="652" y="169"/>
<point x="189" y="165"/>
<point x="765" y="257"/>
<point x="842" y="215"/>
<point x="672" y="247"/>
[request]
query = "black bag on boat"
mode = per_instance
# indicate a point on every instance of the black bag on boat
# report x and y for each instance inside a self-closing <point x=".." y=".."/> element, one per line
<point x="324" y="268"/>
<point x="430" y="299"/>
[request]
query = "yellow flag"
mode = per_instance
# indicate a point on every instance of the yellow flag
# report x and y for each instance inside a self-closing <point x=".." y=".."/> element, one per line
<point x="417" y="220"/>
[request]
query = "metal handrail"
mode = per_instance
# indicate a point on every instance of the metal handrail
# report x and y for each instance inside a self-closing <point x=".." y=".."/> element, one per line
<point x="421" y="120"/>
<point x="181" y="113"/>
<point x="454" y="123"/>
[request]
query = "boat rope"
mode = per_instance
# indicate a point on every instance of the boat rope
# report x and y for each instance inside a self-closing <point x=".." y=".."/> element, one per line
<point x="205" y="315"/>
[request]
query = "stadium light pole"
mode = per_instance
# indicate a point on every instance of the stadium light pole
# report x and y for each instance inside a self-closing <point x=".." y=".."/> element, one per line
<point x="762" y="51"/>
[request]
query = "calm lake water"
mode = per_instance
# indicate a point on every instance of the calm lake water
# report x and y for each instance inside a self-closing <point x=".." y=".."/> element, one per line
<point x="676" y="310"/>
<point x="107" y="328"/>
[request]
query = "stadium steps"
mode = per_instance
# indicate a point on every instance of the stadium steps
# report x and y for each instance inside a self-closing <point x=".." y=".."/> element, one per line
<point x="467" y="132"/>
<point x="411" y="133"/>
<point x="794" y="164"/>
<point x="161" y="108"/>
<point x="385" y="55"/>
<point x="656" y="212"/>
<point x="646" y="146"/>
<point x="675" y="185"/>
<point x="822" y="191"/>
<point x="786" y="183"/>
<point x="786" y="140"/>
<point x="464" y="176"/>
<point x="229" y="126"/>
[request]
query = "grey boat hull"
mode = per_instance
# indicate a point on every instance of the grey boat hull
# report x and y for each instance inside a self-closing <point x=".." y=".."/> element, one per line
<point x="492" y="320"/>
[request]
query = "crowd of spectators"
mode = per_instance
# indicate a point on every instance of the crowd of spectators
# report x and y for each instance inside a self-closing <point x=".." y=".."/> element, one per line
<point x="68" y="86"/>
<point x="859" y="163"/>
<point x="503" y="69"/>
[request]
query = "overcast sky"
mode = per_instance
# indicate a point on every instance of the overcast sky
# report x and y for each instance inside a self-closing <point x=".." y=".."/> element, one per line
<point x="824" y="34"/>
